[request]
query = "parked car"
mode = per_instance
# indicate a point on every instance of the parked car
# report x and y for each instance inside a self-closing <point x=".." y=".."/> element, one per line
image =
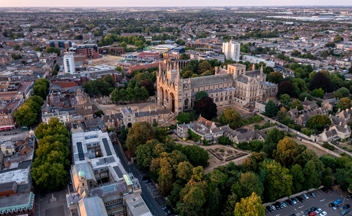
<point x="331" y="204"/>
<point x="283" y="205"/>
<point x="277" y="205"/>
<point x="344" y="212"/>
<point x="336" y="207"/>
<point x="289" y="201"/>
<point x="337" y="201"/>
<point x="306" y="212"/>
<point x="347" y="206"/>
<point x="270" y="209"/>
<point x="323" y="213"/>
<point x="312" y="213"/>
<point x="295" y="200"/>
<point x="163" y="208"/>
<point x="305" y="196"/>
<point x="299" y="198"/>
<point x="312" y="194"/>
<point x="318" y="210"/>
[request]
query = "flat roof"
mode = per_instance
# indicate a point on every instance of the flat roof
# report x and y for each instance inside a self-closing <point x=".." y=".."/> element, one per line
<point x="16" y="202"/>
<point x="20" y="176"/>
<point x="107" y="147"/>
<point x="137" y="206"/>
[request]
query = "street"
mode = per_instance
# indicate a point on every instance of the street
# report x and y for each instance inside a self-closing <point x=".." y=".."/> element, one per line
<point x="149" y="200"/>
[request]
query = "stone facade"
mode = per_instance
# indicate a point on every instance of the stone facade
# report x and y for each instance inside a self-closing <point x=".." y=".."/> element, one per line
<point x="233" y="85"/>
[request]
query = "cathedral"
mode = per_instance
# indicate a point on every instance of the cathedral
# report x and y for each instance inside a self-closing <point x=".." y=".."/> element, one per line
<point x="233" y="85"/>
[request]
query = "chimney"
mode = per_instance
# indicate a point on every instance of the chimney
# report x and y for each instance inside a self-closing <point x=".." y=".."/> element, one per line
<point x="149" y="110"/>
<point x="253" y="66"/>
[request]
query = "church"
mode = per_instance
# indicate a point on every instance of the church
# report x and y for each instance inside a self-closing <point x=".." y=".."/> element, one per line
<point x="232" y="86"/>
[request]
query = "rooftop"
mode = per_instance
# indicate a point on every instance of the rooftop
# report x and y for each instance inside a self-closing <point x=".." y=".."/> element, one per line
<point x="20" y="176"/>
<point x="137" y="205"/>
<point x="18" y="201"/>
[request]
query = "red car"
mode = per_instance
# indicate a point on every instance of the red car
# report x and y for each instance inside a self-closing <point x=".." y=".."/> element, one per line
<point x="312" y="213"/>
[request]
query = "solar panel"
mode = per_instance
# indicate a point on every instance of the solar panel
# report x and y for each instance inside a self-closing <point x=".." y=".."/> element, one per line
<point x="80" y="151"/>
<point x="107" y="148"/>
<point x="118" y="171"/>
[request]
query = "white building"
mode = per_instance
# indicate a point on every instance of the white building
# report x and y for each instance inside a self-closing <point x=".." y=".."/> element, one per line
<point x="231" y="50"/>
<point x="63" y="116"/>
<point x="256" y="60"/>
<point x="69" y="63"/>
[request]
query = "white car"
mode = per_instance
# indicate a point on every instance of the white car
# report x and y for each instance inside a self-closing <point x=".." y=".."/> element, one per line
<point x="323" y="213"/>
<point x="318" y="210"/>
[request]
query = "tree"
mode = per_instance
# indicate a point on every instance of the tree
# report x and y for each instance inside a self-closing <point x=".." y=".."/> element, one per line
<point x="53" y="127"/>
<point x="53" y="50"/>
<point x="57" y="67"/>
<point x="271" y="109"/>
<point x="206" y="108"/>
<point x="299" y="85"/>
<point x="203" y="67"/>
<point x="297" y="178"/>
<point x="184" y="170"/>
<point x="184" y="56"/>
<point x="286" y="87"/>
<point x="199" y="95"/>
<point x="196" y="155"/>
<point x="149" y="85"/>
<point x="311" y="176"/>
<point x="231" y="117"/>
<point x="225" y="140"/>
<point x="286" y="152"/>
<point x="278" y="181"/>
<point x="275" y="77"/>
<point x="25" y="115"/>
<point x="320" y="80"/>
<point x="318" y="122"/>
<point x="192" y="198"/>
<point x="248" y="183"/>
<point x="344" y="103"/>
<point x="318" y="93"/>
<point x="250" y="206"/>
<point x="285" y="99"/>
<point x="281" y="114"/>
<point x="49" y="175"/>
<point x="296" y="104"/>
<point x="139" y="134"/>
<point x="184" y="117"/>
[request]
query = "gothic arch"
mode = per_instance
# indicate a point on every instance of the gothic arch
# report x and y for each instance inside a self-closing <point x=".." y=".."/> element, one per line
<point x="172" y="102"/>
<point x="161" y="95"/>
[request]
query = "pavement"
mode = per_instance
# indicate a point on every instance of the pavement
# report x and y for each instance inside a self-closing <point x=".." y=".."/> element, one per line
<point x="321" y="201"/>
<point x="51" y="204"/>
<point x="147" y="197"/>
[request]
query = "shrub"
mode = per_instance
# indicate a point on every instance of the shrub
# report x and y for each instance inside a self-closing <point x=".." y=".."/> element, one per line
<point x="328" y="146"/>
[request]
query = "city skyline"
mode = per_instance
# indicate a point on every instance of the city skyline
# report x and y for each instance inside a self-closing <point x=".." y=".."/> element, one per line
<point x="157" y="3"/>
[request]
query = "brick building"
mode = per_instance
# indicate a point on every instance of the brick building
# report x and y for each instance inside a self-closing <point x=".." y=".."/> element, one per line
<point x="90" y="51"/>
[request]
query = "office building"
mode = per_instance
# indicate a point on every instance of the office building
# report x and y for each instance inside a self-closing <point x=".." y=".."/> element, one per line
<point x="231" y="50"/>
<point x="69" y="63"/>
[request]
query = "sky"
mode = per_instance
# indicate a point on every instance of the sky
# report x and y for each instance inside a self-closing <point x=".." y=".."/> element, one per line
<point x="165" y="3"/>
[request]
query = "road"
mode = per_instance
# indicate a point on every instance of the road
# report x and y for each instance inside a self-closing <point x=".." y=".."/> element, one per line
<point x="149" y="200"/>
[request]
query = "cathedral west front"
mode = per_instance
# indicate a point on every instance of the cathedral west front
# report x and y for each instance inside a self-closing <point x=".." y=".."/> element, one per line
<point x="233" y="85"/>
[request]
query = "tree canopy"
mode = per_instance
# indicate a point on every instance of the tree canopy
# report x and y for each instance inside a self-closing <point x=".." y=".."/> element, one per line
<point x="138" y="135"/>
<point x="271" y="109"/>
<point x="231" y="117"/>
<point x="318" y="122"/>
<point x="206" y="107"/>
<point x="250" y="206"/>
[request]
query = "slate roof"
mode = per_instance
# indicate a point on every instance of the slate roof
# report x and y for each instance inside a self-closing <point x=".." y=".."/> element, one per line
<point x="209" y="80"/>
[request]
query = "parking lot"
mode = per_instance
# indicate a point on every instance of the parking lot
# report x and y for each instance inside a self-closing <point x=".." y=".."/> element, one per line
<point x="322" y="200"/>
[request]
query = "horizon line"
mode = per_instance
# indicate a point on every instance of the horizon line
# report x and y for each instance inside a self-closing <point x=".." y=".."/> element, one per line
<point x="150" y="6"/>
